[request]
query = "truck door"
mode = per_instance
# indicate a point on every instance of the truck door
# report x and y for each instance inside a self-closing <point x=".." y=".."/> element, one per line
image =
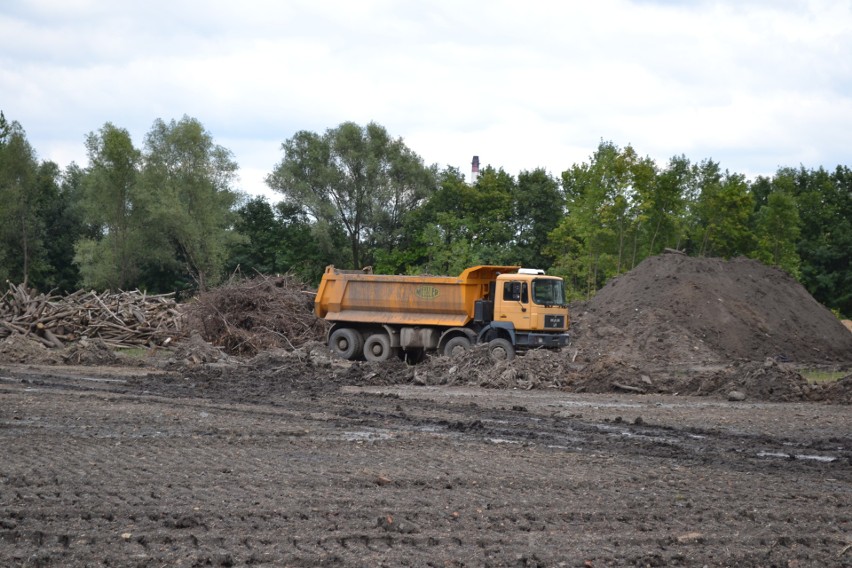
<point x="514" y="304"/>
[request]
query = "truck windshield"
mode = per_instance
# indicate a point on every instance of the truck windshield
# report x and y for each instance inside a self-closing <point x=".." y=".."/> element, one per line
<point x="548" y="292"/>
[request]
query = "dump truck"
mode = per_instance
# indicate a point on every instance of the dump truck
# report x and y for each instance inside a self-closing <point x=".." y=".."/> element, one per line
<point x="376" y="317"/>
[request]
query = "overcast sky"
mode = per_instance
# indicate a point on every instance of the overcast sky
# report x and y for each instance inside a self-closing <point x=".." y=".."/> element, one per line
<point x="753" y="85"/>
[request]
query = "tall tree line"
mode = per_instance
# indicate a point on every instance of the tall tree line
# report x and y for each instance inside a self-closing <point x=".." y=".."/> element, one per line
<point x="166" y="217"/>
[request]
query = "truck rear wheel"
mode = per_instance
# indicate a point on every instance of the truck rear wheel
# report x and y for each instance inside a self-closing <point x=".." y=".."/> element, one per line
<point x="501" y="349"/>
<point x="346" y="342"/>
<point x="377" y="347"/>
<point x="456" y="346"/>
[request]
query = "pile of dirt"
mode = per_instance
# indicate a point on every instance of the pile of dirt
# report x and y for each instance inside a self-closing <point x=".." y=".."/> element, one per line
<point x="613" y="375"/>
<point x="313" y="368"/>
<point x="744" y="380"/>
<point x="837" y="392"/>
<point x="678" y="309"/>
<point x="245" y="317"/>
<point x="26" y="350"/>
<point x="767" y="381"/>
<point x="195" y="351"/>
<point x="18" y="348"/>
<point x="91" y="352"/>
<point x="270" y="376"/>
<point x="536" y="370"/>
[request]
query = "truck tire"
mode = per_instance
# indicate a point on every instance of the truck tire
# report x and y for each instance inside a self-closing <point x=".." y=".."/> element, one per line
<point x="346" y="342"/>
<point x="377" y="347"/>
<point x="456" y="346"/>
<point x="501" y="349"/>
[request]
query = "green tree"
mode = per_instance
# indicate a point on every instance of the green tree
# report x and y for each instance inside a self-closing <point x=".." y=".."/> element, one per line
<point x="721" y="213"/>
<point x="566" y="246"/>
<point x="38" y="224"/>
<point x="188" y="197"/>
<point x="281" y="239"/>
<point x="63" y="227"/>
<point x="111" y="204"/>
<point x="538" y="207"/>
<point x="259" y="251"/>
<point x="308" y="247"/>
<point x="489" y="209"/>
<point x="408" y="185"/>
<point x="592" y="240"/>
<point x="356" y="177"/>
<point x="436" y="235"/>
<point x="463" y="224"/>
<point x="22" y="253"/>
<point x="825" y="209"/>
<point x="662" y="203"/>
<point x="778" y="231"/>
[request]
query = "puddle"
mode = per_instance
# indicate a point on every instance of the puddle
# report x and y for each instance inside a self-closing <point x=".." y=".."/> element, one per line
<point x="365" y="436"/>
<point x="781" y="455"/>
<point x="596" y="404"/>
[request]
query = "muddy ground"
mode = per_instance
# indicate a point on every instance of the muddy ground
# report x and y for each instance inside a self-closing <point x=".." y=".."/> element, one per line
<point x="677" y="429"/>
<point x="232" y="467"/>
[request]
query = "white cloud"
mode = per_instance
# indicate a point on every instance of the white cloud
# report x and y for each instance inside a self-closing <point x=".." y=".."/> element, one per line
<point x="752" y="85"/>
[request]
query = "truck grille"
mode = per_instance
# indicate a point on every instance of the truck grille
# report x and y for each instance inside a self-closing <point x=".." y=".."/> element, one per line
<point x="554" y="322"/>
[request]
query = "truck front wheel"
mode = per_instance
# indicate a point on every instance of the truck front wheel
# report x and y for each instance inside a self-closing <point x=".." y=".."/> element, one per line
<point x="456" y="346"/>
<point x="377" y="347"/>
<point x="501" y="349"/>
<point x="346" y="342"/>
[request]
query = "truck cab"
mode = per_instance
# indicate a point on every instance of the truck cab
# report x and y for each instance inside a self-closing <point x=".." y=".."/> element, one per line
<point x="530" y="308"/>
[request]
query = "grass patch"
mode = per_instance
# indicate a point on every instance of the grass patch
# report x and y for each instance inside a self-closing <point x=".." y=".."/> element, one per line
<point x="822" y="376"/>
<point x="134" y="352"/>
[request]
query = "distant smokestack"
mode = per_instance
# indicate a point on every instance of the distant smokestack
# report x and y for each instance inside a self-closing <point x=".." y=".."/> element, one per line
<point x="474" y="169"/>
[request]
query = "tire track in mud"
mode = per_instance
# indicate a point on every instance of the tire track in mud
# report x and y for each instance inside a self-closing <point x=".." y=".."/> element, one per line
<point x="157" y="471"/>
<point x="517" y="425"/>
<point x="735" y="451"/>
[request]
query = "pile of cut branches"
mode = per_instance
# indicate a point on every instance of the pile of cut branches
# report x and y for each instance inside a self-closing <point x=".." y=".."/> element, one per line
<point x="245" y="317"/>
<point x="119" y="319"/>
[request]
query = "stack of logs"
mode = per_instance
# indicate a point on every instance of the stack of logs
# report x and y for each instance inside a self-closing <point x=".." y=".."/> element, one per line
<point x="122" y="319"/>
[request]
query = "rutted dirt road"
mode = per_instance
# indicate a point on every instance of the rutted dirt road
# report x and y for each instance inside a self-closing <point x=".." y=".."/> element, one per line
<point x="138" y="468"/>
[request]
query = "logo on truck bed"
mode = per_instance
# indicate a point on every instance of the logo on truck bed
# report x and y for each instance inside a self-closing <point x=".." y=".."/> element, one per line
<point x="426" y="292"/>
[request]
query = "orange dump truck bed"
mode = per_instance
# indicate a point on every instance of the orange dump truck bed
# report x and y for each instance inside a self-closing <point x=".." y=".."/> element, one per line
<point x="348" y="296"/>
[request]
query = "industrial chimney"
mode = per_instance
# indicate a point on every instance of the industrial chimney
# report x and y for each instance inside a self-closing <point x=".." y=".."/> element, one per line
<point x="474" y="169"/>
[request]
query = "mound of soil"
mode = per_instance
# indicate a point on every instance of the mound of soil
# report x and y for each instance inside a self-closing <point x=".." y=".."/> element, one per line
<point x="89" y="352"/>
<point x="17" y="348"/>
<point x="194" y="351"/>
<point x="536" y="370"/>
<point x="677" y="309"/>
<point x="768" y="381"/>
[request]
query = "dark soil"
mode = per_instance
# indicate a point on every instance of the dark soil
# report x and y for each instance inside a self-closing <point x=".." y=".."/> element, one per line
<point x="677" y="309"/>
<point x="282" y="464"/>
<point x="676" y="430"/>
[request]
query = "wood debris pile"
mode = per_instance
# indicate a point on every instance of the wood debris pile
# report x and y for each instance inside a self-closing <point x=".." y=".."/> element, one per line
<point x="118" y="319"/>
<point x="245" y="317"/>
